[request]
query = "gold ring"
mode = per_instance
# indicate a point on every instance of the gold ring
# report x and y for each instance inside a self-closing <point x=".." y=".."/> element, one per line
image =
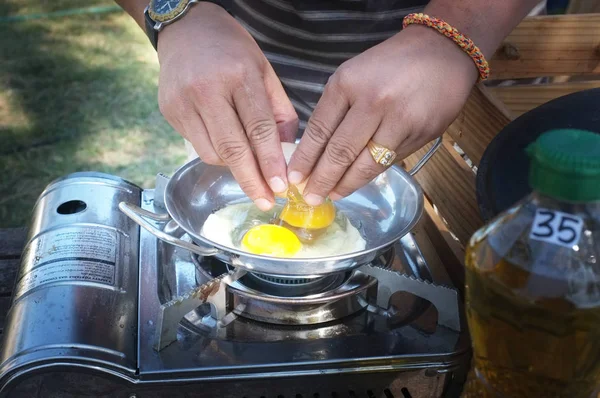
<point x="381" y="155"/>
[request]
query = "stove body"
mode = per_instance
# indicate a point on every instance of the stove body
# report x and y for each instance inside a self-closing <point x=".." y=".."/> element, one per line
<point x="390" y="329"/>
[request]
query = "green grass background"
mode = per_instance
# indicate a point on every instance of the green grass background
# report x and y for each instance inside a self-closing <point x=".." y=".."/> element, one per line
<point x="76" y="93"/>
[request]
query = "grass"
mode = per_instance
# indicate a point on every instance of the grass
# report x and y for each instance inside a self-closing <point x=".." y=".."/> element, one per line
<point x="76" y="93"/>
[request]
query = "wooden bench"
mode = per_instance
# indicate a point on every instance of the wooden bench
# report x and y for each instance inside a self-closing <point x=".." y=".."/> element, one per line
<point x="565" y="50"/>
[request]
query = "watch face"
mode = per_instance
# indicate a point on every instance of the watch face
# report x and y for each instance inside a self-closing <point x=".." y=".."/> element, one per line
<point x="165" y="10"/>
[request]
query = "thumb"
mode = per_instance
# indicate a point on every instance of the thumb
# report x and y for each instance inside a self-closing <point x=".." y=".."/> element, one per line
<point x="283" y="110"/>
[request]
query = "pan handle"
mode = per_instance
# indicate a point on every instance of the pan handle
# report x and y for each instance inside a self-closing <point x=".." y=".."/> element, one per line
<point x="426" y="157"/>
<point x="140" y="216"/>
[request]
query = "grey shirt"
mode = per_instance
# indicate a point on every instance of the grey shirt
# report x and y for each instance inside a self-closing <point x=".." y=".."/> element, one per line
<point x="305" y="40"/>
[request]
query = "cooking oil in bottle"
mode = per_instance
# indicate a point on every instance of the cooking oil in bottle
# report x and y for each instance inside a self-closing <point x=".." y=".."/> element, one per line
<point x="533" y="280"/>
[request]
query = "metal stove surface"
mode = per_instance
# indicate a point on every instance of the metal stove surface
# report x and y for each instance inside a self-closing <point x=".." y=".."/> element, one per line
<point x="102" y="308"/>
<point x="412" y="336"/>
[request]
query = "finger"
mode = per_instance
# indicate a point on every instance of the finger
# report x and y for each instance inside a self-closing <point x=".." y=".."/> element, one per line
<point x="288" y="131"/>
<point x="254" y="110"/>
<point x="197" y="135"/>
<point x="327" y="116"/>
<point x="365" y="169"/>
<point x="347" y="142"/>
<point x="283" y="110"/>
<point x="229" y="141"/>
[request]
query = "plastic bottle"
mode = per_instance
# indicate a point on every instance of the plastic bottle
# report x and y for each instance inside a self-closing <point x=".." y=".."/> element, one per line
<point x="533" y="280"/>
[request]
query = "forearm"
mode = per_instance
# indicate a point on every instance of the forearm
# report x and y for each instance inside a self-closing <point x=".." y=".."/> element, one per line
<point x="486" y="22"/>
<point x="135" y="8"/>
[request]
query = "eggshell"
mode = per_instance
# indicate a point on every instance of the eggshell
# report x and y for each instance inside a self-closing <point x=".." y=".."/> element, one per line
<point x="288" y="149"/>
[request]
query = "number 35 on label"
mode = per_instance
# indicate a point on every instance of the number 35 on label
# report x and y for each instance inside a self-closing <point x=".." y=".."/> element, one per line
<point x="556" y="227"/>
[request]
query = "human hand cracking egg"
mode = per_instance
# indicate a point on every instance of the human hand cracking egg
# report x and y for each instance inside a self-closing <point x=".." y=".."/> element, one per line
<point x="292" y="230"/>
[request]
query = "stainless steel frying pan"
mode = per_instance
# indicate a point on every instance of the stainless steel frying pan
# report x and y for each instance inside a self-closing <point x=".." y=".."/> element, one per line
<point x="384" y="211"/>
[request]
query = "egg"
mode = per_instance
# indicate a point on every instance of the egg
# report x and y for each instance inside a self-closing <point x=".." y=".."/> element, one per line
<point x="308" y="222"/>
<point x="300" y="215"/>
<point x="271" y="240"/>
<point x="244" y="227"/>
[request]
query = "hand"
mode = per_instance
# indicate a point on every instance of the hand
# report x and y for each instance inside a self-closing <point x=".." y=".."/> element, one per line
<point x="219" y="92"/>
<point x="401" y="94"/>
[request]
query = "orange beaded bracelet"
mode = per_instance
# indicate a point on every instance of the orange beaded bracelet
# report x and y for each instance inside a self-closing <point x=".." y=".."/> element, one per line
<point x="452" y="33"/>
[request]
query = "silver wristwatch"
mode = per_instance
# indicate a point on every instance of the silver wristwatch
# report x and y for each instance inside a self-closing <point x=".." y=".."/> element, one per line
<point x="160" y="13"/>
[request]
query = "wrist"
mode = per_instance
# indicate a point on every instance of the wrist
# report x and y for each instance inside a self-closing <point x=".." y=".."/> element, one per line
<point x="486" y="23"/>
<point x="467" y="22"/>
<point x="446" y="51"/>
<point x="199" y="18"/>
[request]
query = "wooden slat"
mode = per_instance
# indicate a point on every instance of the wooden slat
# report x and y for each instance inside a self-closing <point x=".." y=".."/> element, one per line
<point x="431" y="253"/>
<point x="549" y="46"/>
<point x="521" y="99"/>
<point x="450" y="185"/>
<point x="482" y="117"/>
<point x="436" y="228"/>
<point x="8" y="273"/>
<point x="449" y="251"/>
<point x="12" y="241"/>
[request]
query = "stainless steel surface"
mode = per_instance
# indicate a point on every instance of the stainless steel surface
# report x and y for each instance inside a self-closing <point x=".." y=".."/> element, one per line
<point x="384" y="210"/>
<point x="75" y="300"/>
<point x="139" y="216"/>
<point x="380" y="341"/>
<point x="444" y="299"/>
<point x="329" y="305"/>
<point x="416" y="384"/>
<point x="313" y="301"/>
<point x="212" y="292"/>
<point x="161" y="185"/>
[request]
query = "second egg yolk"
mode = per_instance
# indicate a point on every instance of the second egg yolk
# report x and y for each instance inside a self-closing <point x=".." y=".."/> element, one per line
<point x="271" y="240"/>
<point x="299" y="214"/>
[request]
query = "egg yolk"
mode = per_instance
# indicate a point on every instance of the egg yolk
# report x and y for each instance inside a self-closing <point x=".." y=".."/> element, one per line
<point x="299" y="214"/>
<point x="271" y="240"/>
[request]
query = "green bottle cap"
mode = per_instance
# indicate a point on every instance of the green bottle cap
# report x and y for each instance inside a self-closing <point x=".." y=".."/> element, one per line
<point x="565" y="164"/>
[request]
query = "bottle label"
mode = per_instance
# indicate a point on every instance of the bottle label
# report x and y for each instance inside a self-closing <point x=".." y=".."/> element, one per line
<point x="556" y="227"/>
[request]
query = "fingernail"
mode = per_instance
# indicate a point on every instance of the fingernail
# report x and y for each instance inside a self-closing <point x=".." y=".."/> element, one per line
<point x="295" y="177"/>
<point x="263" y="204"/>
<point x="334" y="196"/>
<point x="277" y="184"/>
<point x="313" y="199"/>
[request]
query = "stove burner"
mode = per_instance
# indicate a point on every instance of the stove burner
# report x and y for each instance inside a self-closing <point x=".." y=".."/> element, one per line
<point x="293" y="301"/>
<point x="292" y="287"/>
<point x="285" y="281"/>
<point x="276" y="285"/>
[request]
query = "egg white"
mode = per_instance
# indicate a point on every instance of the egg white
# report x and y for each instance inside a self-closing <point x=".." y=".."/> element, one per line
<point x="227" y="227"/>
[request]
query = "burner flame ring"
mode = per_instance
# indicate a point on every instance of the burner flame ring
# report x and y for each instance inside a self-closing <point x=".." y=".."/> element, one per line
<point x="280" y="280"/>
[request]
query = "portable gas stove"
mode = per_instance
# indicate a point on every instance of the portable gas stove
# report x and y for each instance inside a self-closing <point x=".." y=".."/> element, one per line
<point x="102" y="307"/>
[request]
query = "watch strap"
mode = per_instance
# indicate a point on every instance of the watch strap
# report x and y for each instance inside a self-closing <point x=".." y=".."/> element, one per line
<point x="150" y="31"/>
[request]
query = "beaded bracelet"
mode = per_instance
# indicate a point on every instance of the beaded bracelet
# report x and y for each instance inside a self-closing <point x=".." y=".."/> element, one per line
<point x="452" y="33"/>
